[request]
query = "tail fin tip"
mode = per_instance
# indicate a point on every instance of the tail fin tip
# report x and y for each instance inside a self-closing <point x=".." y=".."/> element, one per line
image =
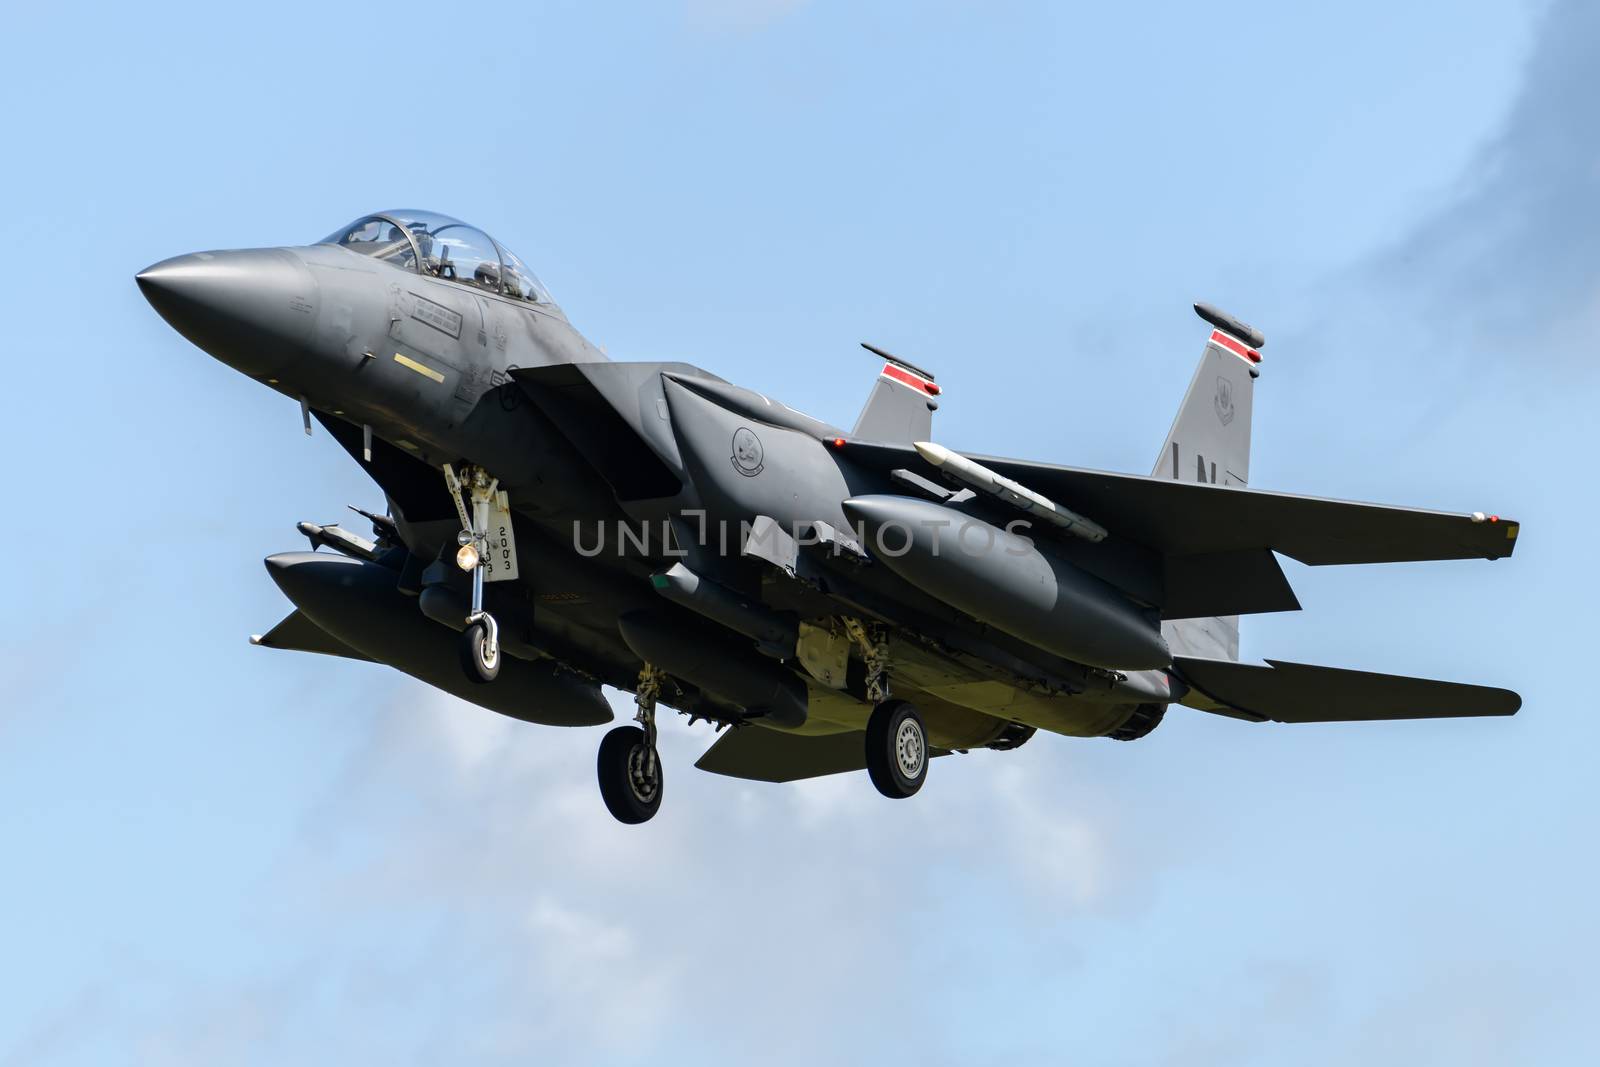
<point x="902" y="402"/>
<point x="1228" y="324"/>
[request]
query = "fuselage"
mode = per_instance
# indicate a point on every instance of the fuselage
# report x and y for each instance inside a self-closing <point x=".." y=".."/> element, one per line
<point x="392" y="328"/>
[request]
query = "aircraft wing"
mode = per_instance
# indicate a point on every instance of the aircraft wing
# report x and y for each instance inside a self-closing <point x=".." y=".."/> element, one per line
<point x="296" y="633"/>
<point x="1299" y="692"/>
<point x="763" y="755"/>
<point x="1197" y="519"/>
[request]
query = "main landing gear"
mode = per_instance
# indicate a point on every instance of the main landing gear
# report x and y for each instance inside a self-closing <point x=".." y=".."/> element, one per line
<point x="480" y="641"/>
<point x="628" y="765"/>
<point x="897" y="739"/>
<point x="897" y="749"/>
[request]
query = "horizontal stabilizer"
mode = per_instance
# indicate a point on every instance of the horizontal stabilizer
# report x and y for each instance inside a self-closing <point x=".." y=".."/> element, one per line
<point x="296" y="633"/>
<point x="763" y="755"/>
<point x="1298" y="692"/>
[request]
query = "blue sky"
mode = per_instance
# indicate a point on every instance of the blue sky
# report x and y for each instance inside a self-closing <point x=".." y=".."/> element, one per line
<point x="216" y="853"/>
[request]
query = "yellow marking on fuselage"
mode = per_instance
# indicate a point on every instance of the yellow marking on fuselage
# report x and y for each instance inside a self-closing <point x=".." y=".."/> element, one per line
<point x="420" y="368"/>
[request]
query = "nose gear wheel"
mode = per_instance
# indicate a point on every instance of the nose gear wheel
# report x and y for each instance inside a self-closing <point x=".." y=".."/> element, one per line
<point x="480" y="641"/>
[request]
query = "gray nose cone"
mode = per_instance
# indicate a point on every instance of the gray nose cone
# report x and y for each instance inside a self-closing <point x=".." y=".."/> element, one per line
<point x="254" y="309"/>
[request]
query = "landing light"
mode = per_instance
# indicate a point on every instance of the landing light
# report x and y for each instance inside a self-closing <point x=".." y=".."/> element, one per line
<point x="467" y="557"/>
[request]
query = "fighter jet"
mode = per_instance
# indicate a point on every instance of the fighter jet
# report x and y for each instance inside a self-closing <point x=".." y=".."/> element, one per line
<point x="829" y="600"/>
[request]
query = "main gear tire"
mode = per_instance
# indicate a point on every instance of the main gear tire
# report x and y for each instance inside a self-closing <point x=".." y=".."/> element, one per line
<point x="897" y="749"/>
<point x="630" y="775"/>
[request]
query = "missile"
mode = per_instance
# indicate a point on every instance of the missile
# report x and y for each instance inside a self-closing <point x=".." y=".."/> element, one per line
<point x="1009" y="582"/>
<point x="382" y="525"/>
<point x="339" y="539"/>
<point x="984" y="480"/>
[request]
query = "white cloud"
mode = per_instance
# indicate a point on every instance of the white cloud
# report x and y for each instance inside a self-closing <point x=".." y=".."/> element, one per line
<point x="486" y="839"/>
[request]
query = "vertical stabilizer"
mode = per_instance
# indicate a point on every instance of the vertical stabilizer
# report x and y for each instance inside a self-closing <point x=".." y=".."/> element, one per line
<point x="901" y="406"/>
<point x="1210" y="442"/>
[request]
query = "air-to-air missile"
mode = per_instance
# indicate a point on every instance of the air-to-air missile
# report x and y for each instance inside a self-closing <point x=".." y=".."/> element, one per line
<point x="1036" y="505"/>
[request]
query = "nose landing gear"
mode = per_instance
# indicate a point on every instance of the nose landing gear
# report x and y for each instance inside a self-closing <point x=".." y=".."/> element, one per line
<point x="480" y="641"/>
<point x="628" y="766"/>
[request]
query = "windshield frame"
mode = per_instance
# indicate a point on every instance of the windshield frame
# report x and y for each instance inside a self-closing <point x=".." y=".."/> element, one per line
<point x="339" y="242"/>
<point x="411" y="238"/>
<point x="541" y="297"/>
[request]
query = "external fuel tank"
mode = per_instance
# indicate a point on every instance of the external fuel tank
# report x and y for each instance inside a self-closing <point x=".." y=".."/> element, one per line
<point x="1010" y="582"/>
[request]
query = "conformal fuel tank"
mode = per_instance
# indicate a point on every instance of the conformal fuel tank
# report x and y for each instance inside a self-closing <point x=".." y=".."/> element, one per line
<point x="358" y="604"/>
<point x="1009" y="582"/>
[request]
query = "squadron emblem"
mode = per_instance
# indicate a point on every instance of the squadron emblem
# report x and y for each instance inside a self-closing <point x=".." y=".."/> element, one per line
<point x="1224" y="402"/>
<point x="747" y="452"/>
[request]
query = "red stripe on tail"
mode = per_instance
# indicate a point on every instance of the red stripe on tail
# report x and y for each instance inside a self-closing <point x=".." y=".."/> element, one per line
<point x="1234" y="345"/>
<point x="916" y="381"/>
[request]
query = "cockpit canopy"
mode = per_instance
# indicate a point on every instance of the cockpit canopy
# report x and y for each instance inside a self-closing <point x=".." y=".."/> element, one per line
<point x="443" y="247"/>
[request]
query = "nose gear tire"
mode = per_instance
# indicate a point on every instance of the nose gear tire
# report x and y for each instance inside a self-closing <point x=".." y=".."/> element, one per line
<point x="476" y="660"/>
